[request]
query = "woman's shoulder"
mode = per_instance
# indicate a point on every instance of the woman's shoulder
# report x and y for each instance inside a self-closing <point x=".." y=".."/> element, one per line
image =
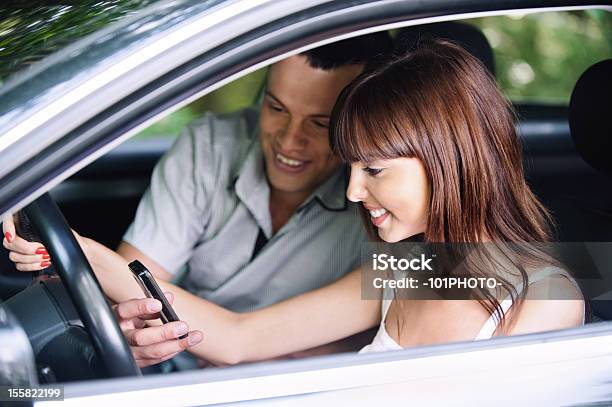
<point x="552" y="282"/>
<point x="539" y="273"/>
<point x="553" y="301"/>
<point x="548" y="315"/>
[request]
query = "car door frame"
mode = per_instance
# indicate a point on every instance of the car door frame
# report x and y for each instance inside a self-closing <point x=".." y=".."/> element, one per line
<point x="209" y="70"/>
<point x="569" y="367"/>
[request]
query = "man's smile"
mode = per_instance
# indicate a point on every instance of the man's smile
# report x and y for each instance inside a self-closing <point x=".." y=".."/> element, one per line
<point x="289" y="164"/>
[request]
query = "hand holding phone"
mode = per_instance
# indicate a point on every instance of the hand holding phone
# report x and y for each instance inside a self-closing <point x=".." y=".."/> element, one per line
<point x="148" y="284"/>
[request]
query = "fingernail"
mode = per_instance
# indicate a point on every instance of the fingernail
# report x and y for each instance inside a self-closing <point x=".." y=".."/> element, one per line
<point x="180" y="330"/>
<point x="194" y="338"/>
<point x="45" y="264"/>
<point x="8" y="236"/>
<point x="41" y="250"/>
<point x="46" y="257"/>
<point x="154" y="306"/>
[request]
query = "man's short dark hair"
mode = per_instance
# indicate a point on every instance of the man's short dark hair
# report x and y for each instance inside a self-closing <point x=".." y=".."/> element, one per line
<point x="358" y="50"/>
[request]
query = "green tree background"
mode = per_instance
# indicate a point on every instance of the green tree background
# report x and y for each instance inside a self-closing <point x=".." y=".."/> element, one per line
<point x="33" y="29"/>
<point x="539" y="57"/>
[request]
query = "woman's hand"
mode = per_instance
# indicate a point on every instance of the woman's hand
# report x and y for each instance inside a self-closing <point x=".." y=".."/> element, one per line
<point x="27" y="256"/>
<point x="30" y="256"/>
<point x="151" y="345"/>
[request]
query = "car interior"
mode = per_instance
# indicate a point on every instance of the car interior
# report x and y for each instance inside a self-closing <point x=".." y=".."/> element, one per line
<point x="566" y="151"/>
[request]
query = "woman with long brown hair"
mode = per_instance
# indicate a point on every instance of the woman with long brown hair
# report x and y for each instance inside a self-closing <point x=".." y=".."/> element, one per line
<point x="434" y="151"/>
<point x="434" y="155"/>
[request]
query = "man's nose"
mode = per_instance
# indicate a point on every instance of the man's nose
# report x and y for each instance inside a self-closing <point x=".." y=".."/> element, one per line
<point x="356" y="191"/>
<point x="292" y="136"/>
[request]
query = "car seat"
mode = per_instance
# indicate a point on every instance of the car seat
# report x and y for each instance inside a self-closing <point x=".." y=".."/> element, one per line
<point x="466" y="35"/>
<point x="591" y="132"/>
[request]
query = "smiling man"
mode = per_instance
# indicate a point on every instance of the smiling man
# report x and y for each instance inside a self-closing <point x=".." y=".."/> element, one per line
<point x="294" y="123"/>
<point x="252" y="204"/>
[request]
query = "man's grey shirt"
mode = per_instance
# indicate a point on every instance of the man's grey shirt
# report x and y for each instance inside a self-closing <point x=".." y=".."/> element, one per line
<point x="208" y="200"/>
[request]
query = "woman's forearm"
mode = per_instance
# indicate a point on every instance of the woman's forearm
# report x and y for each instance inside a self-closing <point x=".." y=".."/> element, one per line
<point x="308" y="320"/>
<point x="111" y="271"/>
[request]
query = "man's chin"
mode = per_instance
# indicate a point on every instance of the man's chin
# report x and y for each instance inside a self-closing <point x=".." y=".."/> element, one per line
<point x="289" y="184"/>
<point x="288" y="188"/>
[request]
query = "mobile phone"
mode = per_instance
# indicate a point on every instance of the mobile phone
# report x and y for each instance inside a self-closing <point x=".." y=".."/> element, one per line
<point x="148" y="284"/>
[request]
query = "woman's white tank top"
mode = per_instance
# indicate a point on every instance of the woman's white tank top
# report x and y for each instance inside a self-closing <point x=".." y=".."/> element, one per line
<point x="382" y="341"/>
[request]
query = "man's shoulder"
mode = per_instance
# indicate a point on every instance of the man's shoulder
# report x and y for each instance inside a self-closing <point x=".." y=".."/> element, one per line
<point x="225" y="129"/>
<point x="222" y="140"/>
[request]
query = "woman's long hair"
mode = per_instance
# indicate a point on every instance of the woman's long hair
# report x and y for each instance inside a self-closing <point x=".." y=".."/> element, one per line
<point x="439" y="104"/>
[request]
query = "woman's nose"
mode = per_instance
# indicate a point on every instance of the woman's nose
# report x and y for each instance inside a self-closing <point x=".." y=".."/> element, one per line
<point x="356" y="191"/>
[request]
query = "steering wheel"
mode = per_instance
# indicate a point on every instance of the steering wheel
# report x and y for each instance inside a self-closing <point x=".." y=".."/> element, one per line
<point x="82" y="287"/>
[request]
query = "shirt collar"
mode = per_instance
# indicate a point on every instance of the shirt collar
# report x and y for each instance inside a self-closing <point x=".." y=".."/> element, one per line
<point x="331" y="195"/>
<point x="253" y="189"/>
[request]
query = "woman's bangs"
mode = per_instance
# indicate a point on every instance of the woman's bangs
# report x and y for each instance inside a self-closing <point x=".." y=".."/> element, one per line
<point x="368" y="135"/>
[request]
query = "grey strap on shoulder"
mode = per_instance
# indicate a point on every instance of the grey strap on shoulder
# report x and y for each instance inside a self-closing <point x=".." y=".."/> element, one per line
<point x="489" y="327"/>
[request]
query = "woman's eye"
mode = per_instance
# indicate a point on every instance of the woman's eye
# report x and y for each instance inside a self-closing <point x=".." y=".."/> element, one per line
<point x="276" y="108"/>
<point x="373" y="171"/>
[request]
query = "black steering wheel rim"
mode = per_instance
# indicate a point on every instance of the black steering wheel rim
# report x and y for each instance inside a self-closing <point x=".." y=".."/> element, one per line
<point x="82" y="287"/>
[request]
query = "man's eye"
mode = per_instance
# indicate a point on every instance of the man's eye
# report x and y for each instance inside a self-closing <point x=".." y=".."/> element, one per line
<point x="276" y="108"/>
<point x="373" y="171"/>
<point x="321" y="124"/>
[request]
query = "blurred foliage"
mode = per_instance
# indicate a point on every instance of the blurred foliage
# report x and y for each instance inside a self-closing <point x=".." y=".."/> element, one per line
<point x="31" y="30"/>
<point x="236" y="95"/>
<point x="539" y="57"/>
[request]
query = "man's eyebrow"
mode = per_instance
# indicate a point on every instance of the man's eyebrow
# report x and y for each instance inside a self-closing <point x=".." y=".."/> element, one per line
<point x="277" y="100"/>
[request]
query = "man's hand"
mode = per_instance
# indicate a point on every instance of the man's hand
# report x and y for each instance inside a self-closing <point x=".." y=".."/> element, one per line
<point x="151" y="345"/>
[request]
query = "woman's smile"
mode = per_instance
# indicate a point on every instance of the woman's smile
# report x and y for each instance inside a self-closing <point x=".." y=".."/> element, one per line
<point x="377" y="215"/>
